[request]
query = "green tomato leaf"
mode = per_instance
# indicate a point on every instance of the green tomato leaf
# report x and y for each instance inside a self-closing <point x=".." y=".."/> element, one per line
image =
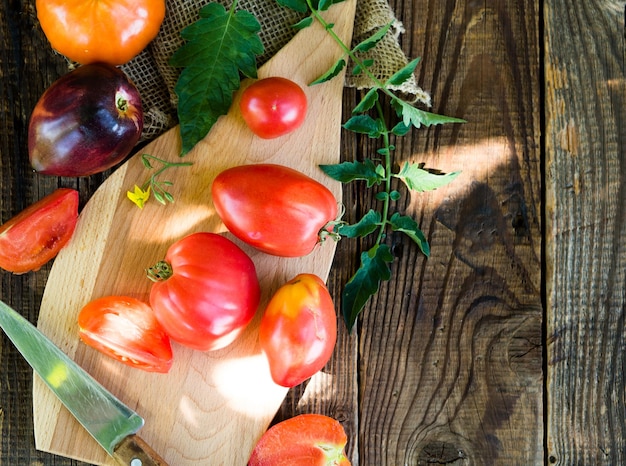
<point x="301" y="6"/>
<point x="303" y="23"/>
<point x="367" y="102"/>
<point x="365" y="282"/>
<point x="359" y="67"/>
<point x="400" y="129"/>
<point x="368" y="224"/>
<point x="401" y="76"/>
<point x="323" y="5"/>
<point x="416" y="117"/>
<point x="296" y="5"/>
<point x="364" y="124"/>
<point x="418" y="179"/>
<point x="331" y="73"/>
<point x="346" y="172"/>
<point x="373" y="40"/>
<point x="219" y="46"/>
<point x="409" y="227"/>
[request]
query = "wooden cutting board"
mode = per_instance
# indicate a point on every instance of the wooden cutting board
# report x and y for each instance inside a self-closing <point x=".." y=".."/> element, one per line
<point x="212" y="407"/>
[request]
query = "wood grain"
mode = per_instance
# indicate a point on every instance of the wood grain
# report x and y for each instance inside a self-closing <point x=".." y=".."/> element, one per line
<point x="450" y="351"/>
<point x="585" y="227"/>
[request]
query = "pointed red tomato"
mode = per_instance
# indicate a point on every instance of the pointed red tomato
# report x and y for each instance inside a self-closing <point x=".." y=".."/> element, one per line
<point x="126" y="330"/>
<point x="274" y="208"/>
<point x="304" y="440"/>
<point x="37" y="234"/>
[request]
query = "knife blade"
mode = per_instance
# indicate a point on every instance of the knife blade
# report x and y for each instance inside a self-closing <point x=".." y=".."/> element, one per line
<point x="111" y="423"/>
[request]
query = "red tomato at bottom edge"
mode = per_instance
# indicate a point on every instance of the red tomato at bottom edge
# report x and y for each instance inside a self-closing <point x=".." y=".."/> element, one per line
<point x="304" y="440"/>
<point x="298" y="330"/>
<point x="37" y="234"/>
<point x="126" y="330"/>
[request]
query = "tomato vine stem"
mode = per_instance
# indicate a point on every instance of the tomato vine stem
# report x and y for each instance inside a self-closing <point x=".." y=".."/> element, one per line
<point x="368" y="118"/>
<point x="387" y="165"/>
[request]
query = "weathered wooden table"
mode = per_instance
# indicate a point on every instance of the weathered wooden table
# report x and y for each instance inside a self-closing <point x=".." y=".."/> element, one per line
<point x="506" y="346"/>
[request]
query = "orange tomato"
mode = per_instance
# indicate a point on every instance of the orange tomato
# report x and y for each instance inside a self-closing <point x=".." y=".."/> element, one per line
<point x="298" y="330"/>
<point x="108" y="31"/>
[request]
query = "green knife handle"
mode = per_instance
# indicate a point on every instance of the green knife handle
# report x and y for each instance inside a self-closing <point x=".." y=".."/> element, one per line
<point x="134" y="451"/>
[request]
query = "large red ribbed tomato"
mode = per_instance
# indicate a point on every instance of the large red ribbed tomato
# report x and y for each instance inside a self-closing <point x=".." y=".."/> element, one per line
<point x="298" y="330"/>
<point x="274" y="208"/>
<point x="107" y="31"/>
<point x="205" y="291"/>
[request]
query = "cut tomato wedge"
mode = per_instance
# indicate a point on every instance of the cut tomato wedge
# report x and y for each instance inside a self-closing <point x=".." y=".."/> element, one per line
<point x="304" y="440"/>
<point x="37" y="234"/>
<point x="126" y="330"/>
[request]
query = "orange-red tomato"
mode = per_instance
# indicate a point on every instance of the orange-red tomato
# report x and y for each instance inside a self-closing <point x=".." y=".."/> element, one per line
<point x="298" y="330"/>
<point x="304" y="440"/>
<point x="125" y="329"/>
<point x="111" y="31"/>
<point x="37" y="234"/>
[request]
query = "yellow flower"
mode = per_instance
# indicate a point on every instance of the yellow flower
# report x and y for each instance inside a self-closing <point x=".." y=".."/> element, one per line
<point x="139" y="196"/>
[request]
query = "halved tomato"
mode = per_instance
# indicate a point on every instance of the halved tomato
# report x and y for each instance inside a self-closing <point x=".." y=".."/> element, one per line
<point x="37" y="234"/>
<point x="307" y="439"/>
<point x="125" y="329"/>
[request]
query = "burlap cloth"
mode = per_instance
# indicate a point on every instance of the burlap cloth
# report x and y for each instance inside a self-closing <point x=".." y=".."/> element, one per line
<point x="156" y="79"/>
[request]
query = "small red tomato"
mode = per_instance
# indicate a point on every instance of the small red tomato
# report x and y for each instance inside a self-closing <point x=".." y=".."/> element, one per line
<point x="274" y="208"/>
<point x="126" y="330"/>
<point x="205" y="292"/>
<point x="87" y="121"/>
<point x="304" y="440"/>
<point x="37" y="234"/>
<point x="272" y="107"/>
<point x="298" y="330"/>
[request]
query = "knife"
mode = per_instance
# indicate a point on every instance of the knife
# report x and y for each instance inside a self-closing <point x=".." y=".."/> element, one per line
<point x="107" y="419"/>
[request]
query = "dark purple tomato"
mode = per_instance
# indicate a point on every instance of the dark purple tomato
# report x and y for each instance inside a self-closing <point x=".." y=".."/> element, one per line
<point x="86" y="122"/>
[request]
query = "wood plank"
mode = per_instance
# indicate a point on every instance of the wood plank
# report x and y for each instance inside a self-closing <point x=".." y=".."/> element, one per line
<point x="450" y="360"/>
<point x="585" y="227"/>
